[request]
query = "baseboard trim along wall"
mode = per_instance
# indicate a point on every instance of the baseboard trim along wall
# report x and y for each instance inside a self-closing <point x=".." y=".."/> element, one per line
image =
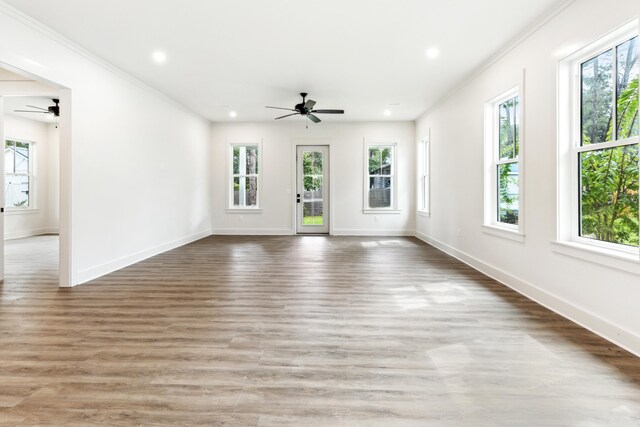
<point x="605" y="329"/>
<point x="30" y="233"/>
<point x="92" y="273"/>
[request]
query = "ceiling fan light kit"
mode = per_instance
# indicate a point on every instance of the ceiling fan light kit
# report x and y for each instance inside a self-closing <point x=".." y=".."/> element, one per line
<point x="305" y="108"/>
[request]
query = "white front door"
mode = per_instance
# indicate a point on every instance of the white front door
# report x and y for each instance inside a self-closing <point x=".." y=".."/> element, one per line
<point x="312" y="193"/>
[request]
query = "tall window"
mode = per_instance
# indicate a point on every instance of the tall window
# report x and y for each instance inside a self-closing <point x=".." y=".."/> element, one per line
<point x="424" y="200"/>
<point x="605" y="144"/>
<point x="17" y="167"/>
<point x="380" y="178"/>
<point x="244" y="180"/>
<point x="503" y="146"/>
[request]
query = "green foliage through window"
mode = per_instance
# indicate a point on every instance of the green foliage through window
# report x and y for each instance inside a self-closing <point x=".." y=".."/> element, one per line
<point x="609" y="204"/>
<point x="508" y="191"/>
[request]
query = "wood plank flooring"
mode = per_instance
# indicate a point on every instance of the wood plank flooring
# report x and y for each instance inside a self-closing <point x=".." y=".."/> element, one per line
<point x="297" y="331"/>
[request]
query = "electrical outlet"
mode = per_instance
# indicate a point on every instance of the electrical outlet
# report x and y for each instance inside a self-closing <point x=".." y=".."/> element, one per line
<point x="459" y="232"/>
<point x="375" y="219"/>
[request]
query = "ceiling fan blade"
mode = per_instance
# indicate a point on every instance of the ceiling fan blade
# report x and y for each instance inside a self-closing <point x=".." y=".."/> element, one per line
<point x="39" y="108"/>
<point x="280" y="108"/>
<point x="309" y="104"/>
<point x="313" y="118"/>
<point x="328" y="111"/>
<point x="29" y="111"/>
<point x="288" y="115"/>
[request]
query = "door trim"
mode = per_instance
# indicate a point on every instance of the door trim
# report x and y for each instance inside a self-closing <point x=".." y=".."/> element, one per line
<point x="292" y="191"/>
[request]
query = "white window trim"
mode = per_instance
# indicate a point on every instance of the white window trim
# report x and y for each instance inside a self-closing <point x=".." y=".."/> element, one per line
<point x="32" y="208"/>
<point x="243" y="209"/>
<point x="491" y="224"/>
<point x="424" y="176"/>
<point x="393" y="209"/>
<point x="568" y="241"/>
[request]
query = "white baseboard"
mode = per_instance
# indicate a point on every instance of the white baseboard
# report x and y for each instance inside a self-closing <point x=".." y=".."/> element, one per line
<point x="251" y="232"/>
<point x="109" y="267"/>
<point x="29" y="233"/>
<point x="596" y="324"/>
<point x="373" y="232"/>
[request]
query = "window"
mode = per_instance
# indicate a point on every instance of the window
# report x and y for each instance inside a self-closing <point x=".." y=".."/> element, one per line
<point x="606" y="149"/>
<point x="18" y="180"/>
<point x="503" y="140"/>
<point x="598" y="205"/>
<point x="380" y="180"/>
<point x="244" y="182"/>
<point x="424" y="180"/>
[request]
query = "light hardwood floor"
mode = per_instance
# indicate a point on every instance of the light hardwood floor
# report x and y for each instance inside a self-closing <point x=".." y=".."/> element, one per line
<point x="297" y="331"/>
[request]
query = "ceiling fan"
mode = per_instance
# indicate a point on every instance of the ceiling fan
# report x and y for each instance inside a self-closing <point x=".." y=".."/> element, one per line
<point x="53" y="109"/>
<point x="305" y="108"/>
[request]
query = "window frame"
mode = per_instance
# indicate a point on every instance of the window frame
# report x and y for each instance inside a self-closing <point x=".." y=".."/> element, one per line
<point x="492" y="161"/>
<point x="394" y="177"/>
<point x="576" y="145"/>
<point x="568" y="240"/>
<point x="424" y="176"/>
<point x="31" y="199"/>
<point x="231" y="208"/>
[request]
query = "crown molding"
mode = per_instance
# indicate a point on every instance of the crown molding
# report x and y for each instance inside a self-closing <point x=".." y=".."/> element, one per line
<point x="41" y="28"/>
<point x="501" y="53"/>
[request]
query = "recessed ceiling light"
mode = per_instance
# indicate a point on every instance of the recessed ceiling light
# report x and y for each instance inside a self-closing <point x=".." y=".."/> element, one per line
<point x="387" y="112"/>
<point x="432" y="52"/>
<point x="159" y="57"/>
<point x="233" y="114"/>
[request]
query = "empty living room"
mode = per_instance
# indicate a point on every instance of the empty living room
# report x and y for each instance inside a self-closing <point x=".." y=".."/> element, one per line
<point x="332" y="213"/>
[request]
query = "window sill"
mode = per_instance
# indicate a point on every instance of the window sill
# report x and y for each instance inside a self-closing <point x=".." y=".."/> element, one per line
<point x="424" y="214"/>
<point x="505" y="233"/>
<point x="620" y="260"/>
<point x="244" y="210"/>
<point x="13" y="211"/>
<point x="381" y="211"/>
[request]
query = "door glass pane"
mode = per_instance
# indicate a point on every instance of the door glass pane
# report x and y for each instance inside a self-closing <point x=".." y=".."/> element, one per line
<point x="609" y="195"/>
<point x="508" y="137"/>
<point x="313" y="202"/>
<point x="508" y="191"/>
<point x="597" y="98"/>
<point x="380" y="192"/>
<point x="627" y="89"/>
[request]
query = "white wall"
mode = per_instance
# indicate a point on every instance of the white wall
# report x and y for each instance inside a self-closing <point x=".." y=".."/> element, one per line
<point x="601" y="298"/>
<point x="44" y="218"/>
<point x="139" y="163"/>
<point x="347" y="165"/>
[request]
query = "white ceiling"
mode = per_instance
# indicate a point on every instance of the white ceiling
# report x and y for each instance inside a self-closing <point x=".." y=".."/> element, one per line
<point x="359" y="55"/>
<point x="12" y="103"/>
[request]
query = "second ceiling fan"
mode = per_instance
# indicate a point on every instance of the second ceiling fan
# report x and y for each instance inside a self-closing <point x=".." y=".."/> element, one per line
<point x="305" y="108"/>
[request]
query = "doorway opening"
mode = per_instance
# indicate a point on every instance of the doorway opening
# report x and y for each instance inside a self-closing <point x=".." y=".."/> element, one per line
<point x="312" y="189"/>
<point x="30" y="224"/>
